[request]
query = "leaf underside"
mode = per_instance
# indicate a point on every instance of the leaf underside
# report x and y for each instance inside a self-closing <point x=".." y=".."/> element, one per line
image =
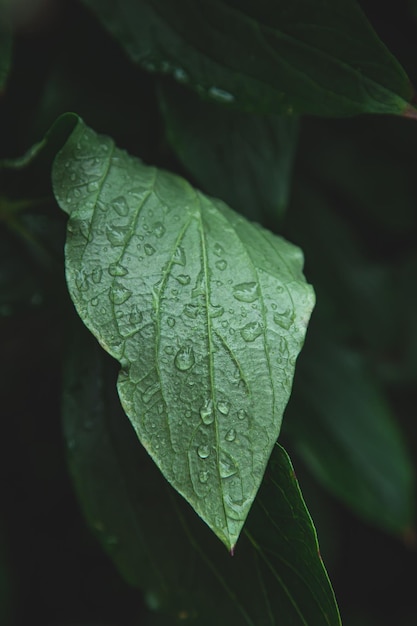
<point x="281" y="58"/>
<point x="205" y="312"/>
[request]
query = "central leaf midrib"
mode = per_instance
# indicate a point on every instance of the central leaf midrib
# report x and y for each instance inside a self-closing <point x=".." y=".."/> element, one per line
<point x="210" y="353"/>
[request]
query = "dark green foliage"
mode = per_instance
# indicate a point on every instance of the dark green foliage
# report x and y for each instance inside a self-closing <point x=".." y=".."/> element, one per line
<point x="206" y="312"/>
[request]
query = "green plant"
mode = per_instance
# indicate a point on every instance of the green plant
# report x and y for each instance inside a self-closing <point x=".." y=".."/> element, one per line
<point x="203" y="310"/>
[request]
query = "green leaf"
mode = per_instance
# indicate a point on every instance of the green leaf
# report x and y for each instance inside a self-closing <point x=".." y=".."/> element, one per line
<point x="160" y="546"/>
<point x="5" y="44"/>
<point x="342" y="427"/>
<point x="244" y="159"/>
<point x="264" y="56"/>
<point x="205" y="312"/>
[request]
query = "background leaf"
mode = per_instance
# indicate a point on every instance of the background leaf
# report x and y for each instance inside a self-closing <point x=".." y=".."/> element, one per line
<point x="244" y="159"/>
<point x="156" y="541"/>
<point x="341" y="426"/>
<point x="187" y="295"/>
<point x="266" y="57"/>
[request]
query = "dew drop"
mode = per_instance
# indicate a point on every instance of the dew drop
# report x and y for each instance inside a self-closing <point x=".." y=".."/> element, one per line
<point x="191" y="311"/>
<point x="180" y="75"/>
<point x="94" y="302"/>
<point x="119" y="294"/>
<point x="203" y="477"/>
<point x="224" y="407"/>
<point x="81" y="281"/>
<point x="242" y="414"/>
<point x="171" y="322"/>
<point x="96" y="274"/>
<point x="117" y="234"/>
<point x="92" y="186"/>
<point x="203" y="451"/>
<point x="159" y="229"/>
<point x="149" y="250"/>
<point x="251" y="331"/>
<point x="221" y="95"/>
<point x="115" y="269"/>
<point x="135" y="316"/>
<point x="284" y="320"/>
<point x="221" y="264"/>
<point x="183" y="279"/>
<point x="216" y="310"/>
<point x="184" y="359"/>
<point x="246" y="292"/>
<point x="230" y="435"/>
<point x="120" y="205"/>
<point x="206" y="412"/>
<point x="169" y="350"/>
<point x="227" y="465"/>
<point x="218" y="249"/>
<point x="179" y="256"/>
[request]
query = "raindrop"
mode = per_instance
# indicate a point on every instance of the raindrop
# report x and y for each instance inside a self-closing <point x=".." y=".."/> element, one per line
<point x="81" y="281"/>
<point x="216" y="310"/>
<point x="117" y="234"/>
<point x="285" y="319"/>
<point x="230" y="435"/>
<point x="180" y="75"/>
<point x="221" y="264"/>
<point x="251" y="331"/>
<point x="115" y="269"/>
<point x="220" y="94"/>
<point x="149" y="250"/>
<point x="159" y="229"/>
<point x="179" y="256"/>
<point x="191" y="310"/>
<point x="184" y="359"/>
<point x="96" y="274"/>
<point x="227" y="465"/>
<point x="203" y="451"/>
<point x="169" y="350"/>
<point x="218" y="249"/>
<point x="203" y="476"/>
<point x="242" y="414"/>
<point x="119" y="294"/>
<point x="120" y="205"/>
<point x="135" y="316"/>
<point x="246" y="292"/>
<point x="224" y="407"/>
<point x="171" y="322"/>
<point x="206" y="412"/>
<point x="183" y="279"/>
<point x="94" y="302"/>
<point x="92" y="186"/>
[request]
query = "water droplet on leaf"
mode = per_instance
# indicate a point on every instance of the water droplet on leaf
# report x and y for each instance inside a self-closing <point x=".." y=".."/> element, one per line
<point x="251" y="331"/>
<point x="135" y="316"/>
<point x="184" y="359"/>
<point x="183" y="279"/>
<point x="159" y="229"/>
<point x="119" y="294"/>
<point x="246" y="292"/>
<point x="117" y="234"/>
<point x="96" y="274"/>
<point x="221" y="264"/>
<point x="230" y="435"/>
<point x="203" y="451"/>
<point x="206" y="412"/>
<point x="224" y="407"/>
<point x="227" y="465"/>
<point x="171" y="322"/>
<point x="120" y="205"/>
<point x="149" y="250"/>
<point x="179" y="256"/>
<point x="115" y="269"/>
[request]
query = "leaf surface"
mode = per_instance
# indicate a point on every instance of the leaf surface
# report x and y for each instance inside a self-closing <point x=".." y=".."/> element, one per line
<point x="286" y="57"/>
<point x="242" y="158"/>
<point x="341" y="425"/>
<point x="156" y="541"/>
<point x="205" y="311"/>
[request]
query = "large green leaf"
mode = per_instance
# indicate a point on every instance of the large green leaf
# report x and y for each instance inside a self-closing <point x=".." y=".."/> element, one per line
<point x="286" y="57"/>
<point x="242" y="158"/>
<point x="156" y="541"/>
<point x="341" y="425"/>
<point x="205" y="311"/>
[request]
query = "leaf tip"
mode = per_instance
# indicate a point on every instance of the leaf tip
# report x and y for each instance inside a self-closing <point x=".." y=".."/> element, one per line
<point x="410" y="112"/>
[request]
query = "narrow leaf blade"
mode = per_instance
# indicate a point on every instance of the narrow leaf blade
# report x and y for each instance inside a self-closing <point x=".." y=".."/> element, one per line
<point x="188" y="297"/>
